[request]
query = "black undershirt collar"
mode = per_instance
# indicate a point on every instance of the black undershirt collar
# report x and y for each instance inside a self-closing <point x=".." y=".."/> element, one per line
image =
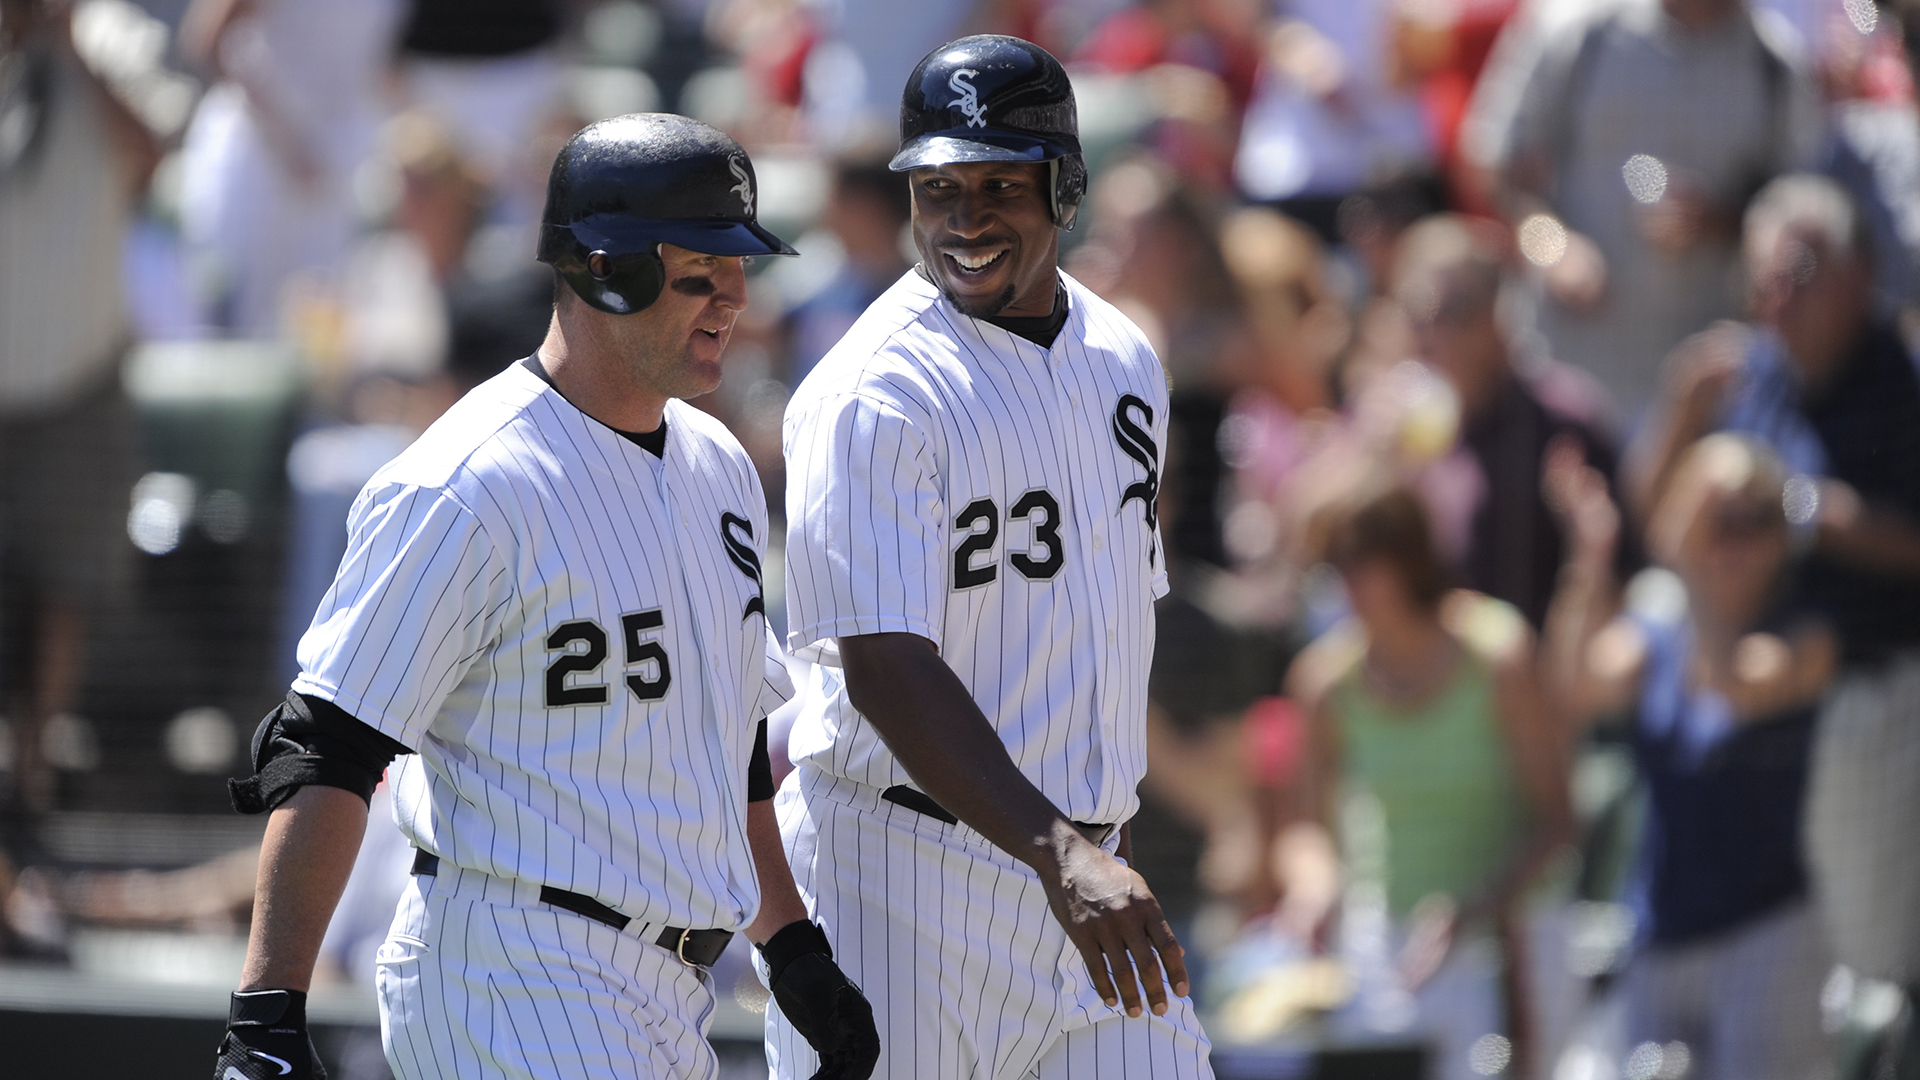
<point x="653" y="442"/>
<point x="1042" y="330"/>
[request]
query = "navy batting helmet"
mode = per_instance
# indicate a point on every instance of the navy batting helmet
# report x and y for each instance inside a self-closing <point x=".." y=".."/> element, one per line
<point x="622" y="187"/>
<point x="994" y="98"/>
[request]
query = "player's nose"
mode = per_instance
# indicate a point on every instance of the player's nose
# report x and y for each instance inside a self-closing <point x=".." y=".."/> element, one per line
<point x="969" y="216"/>
<point x="730" y="285"/>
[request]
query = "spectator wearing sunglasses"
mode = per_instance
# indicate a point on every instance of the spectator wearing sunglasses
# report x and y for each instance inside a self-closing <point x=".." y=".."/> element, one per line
<point x="1827" y="381"/>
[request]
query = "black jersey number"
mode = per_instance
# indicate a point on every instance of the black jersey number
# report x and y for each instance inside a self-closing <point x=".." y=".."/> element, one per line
<point x="977" y="513"/>
<point x="582" y="646"/>
<point x="640" y="651"/>
<point x="582" y="660"/>
<point x="980" y="520"/>
<point x="1046" y="533"/>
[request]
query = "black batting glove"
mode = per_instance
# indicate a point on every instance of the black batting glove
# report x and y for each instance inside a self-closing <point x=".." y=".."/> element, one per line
<point x="267" y="1039"/>
<point x="821" y="1002"/>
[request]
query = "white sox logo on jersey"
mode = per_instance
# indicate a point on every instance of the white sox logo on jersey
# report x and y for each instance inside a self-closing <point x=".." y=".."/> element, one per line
<point x="737" y="165"/>
<point x="744" y="557"/>
<point x="1138" y="444"/>
<point x="961" y="82"/>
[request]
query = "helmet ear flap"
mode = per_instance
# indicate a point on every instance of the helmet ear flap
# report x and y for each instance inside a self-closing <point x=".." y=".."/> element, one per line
<point x="1069" y="187"/>
<point x="615" y="284"/>
<point x="636" y="281"/>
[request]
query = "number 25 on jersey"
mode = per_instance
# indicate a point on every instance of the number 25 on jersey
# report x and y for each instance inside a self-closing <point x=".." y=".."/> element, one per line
<point x="573" y="677"/>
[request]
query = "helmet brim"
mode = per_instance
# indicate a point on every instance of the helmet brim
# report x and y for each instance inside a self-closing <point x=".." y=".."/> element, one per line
<point x="619" y="235"/>
<point x="954" y="149"/>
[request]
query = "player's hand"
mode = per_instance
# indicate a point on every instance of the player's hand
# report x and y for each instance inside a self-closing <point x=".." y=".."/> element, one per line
<point x="267" y="1039"/>
<point x="820" y="1001"/>
<point x="1118" y="927"/>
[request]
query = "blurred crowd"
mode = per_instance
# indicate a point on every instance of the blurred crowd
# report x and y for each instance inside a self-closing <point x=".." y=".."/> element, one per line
<point x="1540" y="683"/>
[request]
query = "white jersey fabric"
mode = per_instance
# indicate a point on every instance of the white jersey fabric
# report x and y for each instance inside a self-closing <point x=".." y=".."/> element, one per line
<point x="478" y="979"/>
<point x="970" y="975"/>
<point x="949" y="479"/>
<point x="569" y="632"/>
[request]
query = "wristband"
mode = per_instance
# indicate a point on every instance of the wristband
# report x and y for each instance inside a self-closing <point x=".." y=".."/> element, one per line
<point x="794" y="940"/>
<point x="283" y="1010"/>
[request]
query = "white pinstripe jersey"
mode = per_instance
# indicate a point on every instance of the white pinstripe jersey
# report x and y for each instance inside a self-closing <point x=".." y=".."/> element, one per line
<point x="949" y="479"/>
<point x="568" y="631"/>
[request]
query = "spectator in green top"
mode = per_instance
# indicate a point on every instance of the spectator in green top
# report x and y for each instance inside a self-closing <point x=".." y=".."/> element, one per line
<point x="1434" y="785"/>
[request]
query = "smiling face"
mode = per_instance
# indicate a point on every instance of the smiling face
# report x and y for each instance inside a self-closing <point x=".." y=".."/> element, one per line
<point x="986" y="236"/>
<point x="673" y="347"/>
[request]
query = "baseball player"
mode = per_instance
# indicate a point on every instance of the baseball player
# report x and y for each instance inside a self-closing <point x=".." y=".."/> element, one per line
<point x="973" y="558"/>
<point x="550" y="612"/>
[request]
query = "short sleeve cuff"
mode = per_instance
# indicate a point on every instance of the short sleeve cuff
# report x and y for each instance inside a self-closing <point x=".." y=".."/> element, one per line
<point x="814" y="642"/>
<point x="356" y="707"/>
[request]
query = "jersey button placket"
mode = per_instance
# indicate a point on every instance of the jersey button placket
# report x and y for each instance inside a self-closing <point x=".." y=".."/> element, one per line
<point x="1084" y="429"/>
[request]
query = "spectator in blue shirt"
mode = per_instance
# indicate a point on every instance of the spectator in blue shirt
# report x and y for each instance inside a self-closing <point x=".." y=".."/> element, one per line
<point x="1829" y="384"/>
<point x="1720" y="696"/>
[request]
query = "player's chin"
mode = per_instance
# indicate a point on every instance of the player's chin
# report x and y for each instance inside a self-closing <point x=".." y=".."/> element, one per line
<point x="697" y="377"/>
<point x="979" y="299"/>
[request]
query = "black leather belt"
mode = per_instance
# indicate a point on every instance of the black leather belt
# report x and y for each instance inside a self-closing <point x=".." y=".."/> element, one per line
<point x="921" y="803"/>
<point x="695" y="948"/>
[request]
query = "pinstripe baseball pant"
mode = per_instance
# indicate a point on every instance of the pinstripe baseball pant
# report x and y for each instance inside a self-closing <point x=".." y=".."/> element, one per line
<point x="477" y="978"/>
<point x="951" y="939"/>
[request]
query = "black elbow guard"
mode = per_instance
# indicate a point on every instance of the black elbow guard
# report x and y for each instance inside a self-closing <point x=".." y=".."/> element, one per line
<point x="760" y="786"/>
<point x="308" y="740"/>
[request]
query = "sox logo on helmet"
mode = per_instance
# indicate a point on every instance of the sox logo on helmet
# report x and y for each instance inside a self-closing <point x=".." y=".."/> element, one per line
<point x="961" y="82"/>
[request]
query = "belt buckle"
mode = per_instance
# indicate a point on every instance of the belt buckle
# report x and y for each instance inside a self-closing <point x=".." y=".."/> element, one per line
<point x="680" y="948"/>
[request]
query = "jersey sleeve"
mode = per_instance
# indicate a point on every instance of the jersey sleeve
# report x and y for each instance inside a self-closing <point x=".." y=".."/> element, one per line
<point x="866" y="550"/>
<point x="419" y="594"/>
<point x="776" y="685"/>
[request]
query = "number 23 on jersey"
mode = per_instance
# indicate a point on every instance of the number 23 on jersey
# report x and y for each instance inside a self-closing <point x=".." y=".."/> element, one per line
<point x="980" y="520"/>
